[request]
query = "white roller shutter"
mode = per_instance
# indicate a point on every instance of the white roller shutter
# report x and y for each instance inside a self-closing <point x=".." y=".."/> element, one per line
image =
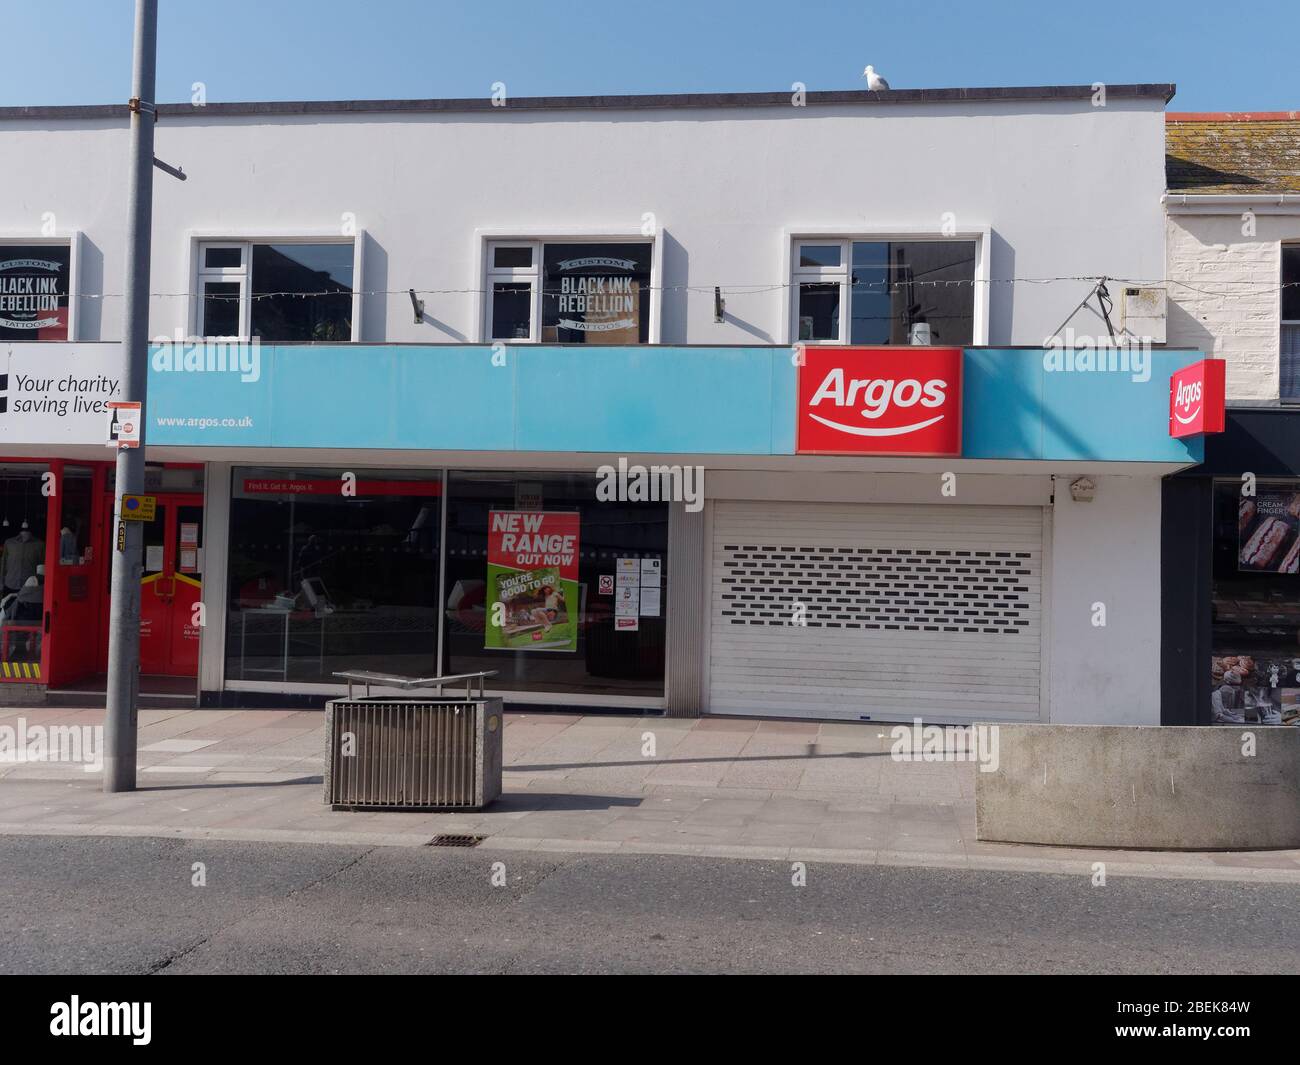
<point x="911" y="611"/>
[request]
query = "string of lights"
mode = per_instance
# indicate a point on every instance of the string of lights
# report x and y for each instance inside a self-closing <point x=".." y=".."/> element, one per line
<point x="741" y="288"/>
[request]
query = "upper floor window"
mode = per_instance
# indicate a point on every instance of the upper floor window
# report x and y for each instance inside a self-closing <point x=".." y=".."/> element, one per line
<point x="1290" y="346"/>
<point x="35" y="291"/>
<point x="569" y="292"/>
<point x="884" y="291"/>
<point x="276" y="291"/>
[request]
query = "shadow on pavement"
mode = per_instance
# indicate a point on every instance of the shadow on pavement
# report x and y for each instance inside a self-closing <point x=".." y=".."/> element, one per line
<point x="730" y="759"/>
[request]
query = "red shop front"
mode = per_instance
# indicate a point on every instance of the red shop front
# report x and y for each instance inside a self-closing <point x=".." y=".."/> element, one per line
<point x="56" y="524"/>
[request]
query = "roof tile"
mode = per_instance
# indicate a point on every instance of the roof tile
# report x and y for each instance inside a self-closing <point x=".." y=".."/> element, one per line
<point x="1232" y="155"/>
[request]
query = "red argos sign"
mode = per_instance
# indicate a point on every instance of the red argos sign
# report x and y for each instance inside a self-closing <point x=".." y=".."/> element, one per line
<point x="1196" y="399"/>
<point x="879" y="401"/>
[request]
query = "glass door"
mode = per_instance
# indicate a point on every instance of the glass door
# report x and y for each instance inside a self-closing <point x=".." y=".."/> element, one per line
<point x="170" y="587"/>
<point x="156" y="587"/>
<point x="77" y="591"/>
<point x="186" y="537"/>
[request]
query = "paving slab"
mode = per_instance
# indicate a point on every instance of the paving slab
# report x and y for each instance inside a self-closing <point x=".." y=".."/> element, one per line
<point x="731" y="787"/>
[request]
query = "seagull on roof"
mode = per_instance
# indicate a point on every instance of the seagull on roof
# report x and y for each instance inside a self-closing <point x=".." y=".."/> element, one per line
<point x="874" y="81"/>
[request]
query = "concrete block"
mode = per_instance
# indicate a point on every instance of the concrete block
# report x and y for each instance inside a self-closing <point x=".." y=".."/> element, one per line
<point x="1148" y="787"/>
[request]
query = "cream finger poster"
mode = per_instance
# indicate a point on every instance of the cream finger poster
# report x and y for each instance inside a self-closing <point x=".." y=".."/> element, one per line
<point x="1268" y="530"/>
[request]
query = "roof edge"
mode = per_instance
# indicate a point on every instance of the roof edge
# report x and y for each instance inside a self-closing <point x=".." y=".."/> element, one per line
<point x="1160" y="91"/>
<point x="1231" y="116"/>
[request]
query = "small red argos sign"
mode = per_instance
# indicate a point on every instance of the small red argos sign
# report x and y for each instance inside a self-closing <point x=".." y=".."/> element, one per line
<point x="879" y="401"/>
<point x="1196" y="399"/>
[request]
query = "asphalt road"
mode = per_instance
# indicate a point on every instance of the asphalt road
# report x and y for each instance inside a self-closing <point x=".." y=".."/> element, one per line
<point x="124" y="905"/>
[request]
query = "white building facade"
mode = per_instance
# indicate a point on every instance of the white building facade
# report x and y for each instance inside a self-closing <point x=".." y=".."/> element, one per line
<point x="451" y="321"/>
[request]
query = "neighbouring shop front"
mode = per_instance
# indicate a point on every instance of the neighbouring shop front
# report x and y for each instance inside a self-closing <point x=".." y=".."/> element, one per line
<point x="1231" y="576"/>
<point x="56" y="522"/>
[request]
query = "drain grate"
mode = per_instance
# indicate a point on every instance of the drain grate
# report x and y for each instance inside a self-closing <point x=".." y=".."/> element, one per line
<point x="455" y="841"/>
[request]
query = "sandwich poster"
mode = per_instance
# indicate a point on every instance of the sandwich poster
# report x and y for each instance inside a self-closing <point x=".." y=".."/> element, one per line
<point x="1268" y="531"/>
<point x="532" y="580"/>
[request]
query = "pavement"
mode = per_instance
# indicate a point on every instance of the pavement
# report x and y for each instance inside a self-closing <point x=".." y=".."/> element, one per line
<point x="177" y="906"/>
<point x="718" y="787"/>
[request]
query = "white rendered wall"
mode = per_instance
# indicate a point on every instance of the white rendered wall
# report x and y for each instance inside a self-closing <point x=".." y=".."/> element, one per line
<point x="1064" y="188"/>
<point x="1106" y="551"/>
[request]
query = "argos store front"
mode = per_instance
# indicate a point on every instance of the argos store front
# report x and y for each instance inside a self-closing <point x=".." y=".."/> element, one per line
<point x="883" y="533"/>
<point x="971" y="537"/>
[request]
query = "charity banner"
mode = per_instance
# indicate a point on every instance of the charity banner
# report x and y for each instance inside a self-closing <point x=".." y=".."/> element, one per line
<point x="59" y="393"/>
<point x="532" y="580"/>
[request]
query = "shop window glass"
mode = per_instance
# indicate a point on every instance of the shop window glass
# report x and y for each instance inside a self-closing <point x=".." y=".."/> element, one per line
<point x="322" y="581"/>
<point x="512" y="257"/>
<point x="819" y="311"/>
<point x="76" y="501"/>
<point x="512" y="310"/>
<point x="1255" y="638"/>
<point x="1290" y="347"/>
<point x="220" y="309"/>
<point x="278" y="293"/>
<point x="223" y="258"/>
<point x="905" y="292"/>
<point x="898" y="292"/>
<point x="23" y="508"/>
<point x="561" y="626"/>
<point x="35" y="290"/>
<point x="302" y="292"/>
<point x="819" y="254"/>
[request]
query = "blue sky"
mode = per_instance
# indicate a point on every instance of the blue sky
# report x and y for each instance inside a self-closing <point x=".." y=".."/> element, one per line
<point x="79" y="51"/>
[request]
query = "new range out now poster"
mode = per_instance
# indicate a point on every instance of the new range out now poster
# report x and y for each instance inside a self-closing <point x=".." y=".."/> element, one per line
<point x="532" y="574"/>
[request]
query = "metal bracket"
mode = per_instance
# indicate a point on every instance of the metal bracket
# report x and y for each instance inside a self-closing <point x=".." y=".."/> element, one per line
<point x="417" y="305"/>
<point x="167" y="168"/>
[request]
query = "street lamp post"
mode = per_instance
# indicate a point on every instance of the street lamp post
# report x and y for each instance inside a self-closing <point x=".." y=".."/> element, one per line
<point x="121" y="718"/>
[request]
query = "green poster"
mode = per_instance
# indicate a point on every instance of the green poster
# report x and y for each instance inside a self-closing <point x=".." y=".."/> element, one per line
<point x="532" y="587"/>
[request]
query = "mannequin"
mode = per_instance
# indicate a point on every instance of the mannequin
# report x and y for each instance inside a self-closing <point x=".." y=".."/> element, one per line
<point x="31" y="598"/>
<point x="23" y="553"/>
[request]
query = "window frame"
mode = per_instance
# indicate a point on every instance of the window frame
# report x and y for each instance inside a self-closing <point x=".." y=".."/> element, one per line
<point x="198" y="274"/>
<point x="538" y="237"/>
<point x="514" y="275"/>
<point x="1294" y="397"/>
<point x="73" y="243"/>
<point x="845" y="238"/>
<point x="241" y="275"/>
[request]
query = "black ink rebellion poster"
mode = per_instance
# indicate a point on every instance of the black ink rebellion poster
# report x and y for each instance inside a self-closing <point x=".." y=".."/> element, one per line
<point x="34" y="291"/>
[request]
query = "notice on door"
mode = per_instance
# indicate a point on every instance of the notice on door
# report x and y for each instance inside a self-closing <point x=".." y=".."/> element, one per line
<point x="650" y="602"/>
<point x="627" y="594"/>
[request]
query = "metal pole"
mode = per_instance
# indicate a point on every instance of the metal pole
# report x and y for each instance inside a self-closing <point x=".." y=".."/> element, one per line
<point x="121" y="718"/>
